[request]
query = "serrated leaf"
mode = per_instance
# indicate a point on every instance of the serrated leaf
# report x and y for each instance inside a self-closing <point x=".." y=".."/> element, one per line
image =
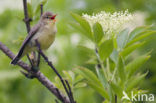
<point x="121" y="69"/>
<point x="106" y="49"/>
<point x="87" y="74"/>
<point x="114" y="56"/>
<point x="133" y="66"/>
<point x="122" y="38"/>
<point x="137" y="31"/>
<point x="98" y="32"/>
<point x="102" y="77"/>
<point x="85" y="25"/>
<point x="140" y="37"/>
<point x="133" y="82"/>
<point x="130" y="49"/>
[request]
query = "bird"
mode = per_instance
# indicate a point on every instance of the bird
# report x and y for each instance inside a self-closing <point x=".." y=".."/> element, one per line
<point x="44" y="32"/>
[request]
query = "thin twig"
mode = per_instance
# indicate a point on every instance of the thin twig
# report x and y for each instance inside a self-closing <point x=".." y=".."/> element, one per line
<point x="115" y="98"/>
<point x="30" y="60"/>
<point x="54" y="69"/>
<point x="70" y="91"/>
<point x="26" y="19"/>
<point x="41" y="6"/>
<point x="38" y="59"/>
<point x="40" y="76"/>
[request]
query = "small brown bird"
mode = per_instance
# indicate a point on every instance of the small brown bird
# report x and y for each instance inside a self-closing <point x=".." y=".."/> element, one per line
<point x="44" y="32"/>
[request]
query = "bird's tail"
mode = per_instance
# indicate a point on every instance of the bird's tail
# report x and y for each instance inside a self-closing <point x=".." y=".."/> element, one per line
<point x="15" y="60"/>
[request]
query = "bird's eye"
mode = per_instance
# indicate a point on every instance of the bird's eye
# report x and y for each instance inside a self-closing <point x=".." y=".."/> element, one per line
<point x="47" y="17"/>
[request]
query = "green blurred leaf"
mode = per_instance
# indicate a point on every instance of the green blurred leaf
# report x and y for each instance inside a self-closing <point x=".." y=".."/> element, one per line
<point x="117" y="89"/>
<point x="133" y="66"/>
<point x="80" y="85"/>
<point x="77" y="27"/>
<point x="43" y="2"/>
<point x="106" y="49"/>
<point x="140" y="37"/>
<point x="122" y="38"/>
<point x="92" y="80"/>
<point x="137" y="31"/>
<point x="89" y="75"/>
<point x="98" y="89"/>
<point x="30" y="12"/>
<point x="98" y="32"/>
<point x="85" y="25"/>
<point x="133" y="82"/>
<point x="102" y="77"/>
<point x="130" y="49"/>
<point x="114" y="56"/>
<point x="121" y="70"/>
<point x="69" y="75"/>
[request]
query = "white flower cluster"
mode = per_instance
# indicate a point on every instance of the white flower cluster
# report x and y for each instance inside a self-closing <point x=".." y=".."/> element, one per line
<point x="112" y="24"/>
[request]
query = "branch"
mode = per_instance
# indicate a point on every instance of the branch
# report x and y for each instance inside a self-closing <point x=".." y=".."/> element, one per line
<point x="41" y="5"/>
<point x="40" y="76"/>
<point x="26" y="18"/>
<point x="67" y="90"/>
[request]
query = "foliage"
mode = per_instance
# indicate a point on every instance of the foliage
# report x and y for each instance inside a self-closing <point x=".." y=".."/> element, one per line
<point x="111" y="80"/>
<point x="71" y="49"/>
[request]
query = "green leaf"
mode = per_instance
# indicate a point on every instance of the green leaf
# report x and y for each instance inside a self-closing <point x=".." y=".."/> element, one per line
<point x="89" y="75"/>
<point x="140" y="37"/>
<point x="100" y="90"/>
<point x="92" y="80"/>
<point x="114" y="56"/>
<point x="85" y="25"/>
<point x="133" y="66"/>
<point x="98" y="32"/>
<point x="106" y="49"/>
<point x="80" y="85"/>
<point x="122" y="38"/>
<point x="117" y="89"/>
<point x="43" y="2"/>
<point x="121" y="70"/>
<point x="133" y="82"/>
<point x="30" y="12"/>
<point x="77" y="27"/>
<point x="102" y="77"/>
<point x="137" y="31"/>
<point x="130" y="49"/>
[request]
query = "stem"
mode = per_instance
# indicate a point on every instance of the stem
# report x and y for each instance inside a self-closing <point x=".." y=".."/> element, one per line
<point x="100" y="62"/>
<point x="40" y="76"/>
<point x="54" y="69"/>
<point x="26" y="19"/>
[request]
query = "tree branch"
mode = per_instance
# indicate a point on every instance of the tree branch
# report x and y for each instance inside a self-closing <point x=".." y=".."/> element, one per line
<point x="40" y="76"/>
<point x="67" y="88"/>
<point x="26" y="18"/>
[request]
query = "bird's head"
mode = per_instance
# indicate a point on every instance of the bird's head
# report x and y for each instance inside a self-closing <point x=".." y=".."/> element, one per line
<point x="48" y="17"/>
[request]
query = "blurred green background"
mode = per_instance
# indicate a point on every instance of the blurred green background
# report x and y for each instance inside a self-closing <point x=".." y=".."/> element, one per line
<point x="65" y="54"/>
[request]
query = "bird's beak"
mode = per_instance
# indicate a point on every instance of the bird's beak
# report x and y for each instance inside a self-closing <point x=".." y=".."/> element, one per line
<point x="53" y="17"/>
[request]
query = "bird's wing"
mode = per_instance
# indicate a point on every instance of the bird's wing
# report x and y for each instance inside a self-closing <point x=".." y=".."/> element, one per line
<point x="28" y="38"/>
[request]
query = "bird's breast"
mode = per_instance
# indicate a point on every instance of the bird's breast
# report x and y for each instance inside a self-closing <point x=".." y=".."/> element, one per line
<point x="45" y="36"/>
